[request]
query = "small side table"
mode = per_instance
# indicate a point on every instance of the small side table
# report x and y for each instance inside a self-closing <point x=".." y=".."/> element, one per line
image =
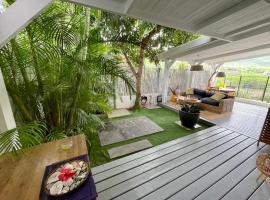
<point x="263" y="165"/>
<point x="185" y="100"/>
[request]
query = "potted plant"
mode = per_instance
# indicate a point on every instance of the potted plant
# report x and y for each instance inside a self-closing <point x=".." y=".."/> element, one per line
<point x="189" y="115"/>
<point x="174" y="95"/>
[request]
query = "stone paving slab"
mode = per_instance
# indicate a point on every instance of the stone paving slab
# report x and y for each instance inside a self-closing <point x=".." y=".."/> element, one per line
<point x="129" y="148"/>
<point x="125" y="129"/>
<point x="180" y="124"/>
<point x="119" y="113"/>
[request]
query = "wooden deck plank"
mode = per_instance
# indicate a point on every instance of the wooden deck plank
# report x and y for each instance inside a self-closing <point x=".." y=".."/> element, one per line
<point x="127" y="166"/>
<point x="224" y="185"/>
<point x="216" y="163"/>
<point x="150" y="184"/>
<point x="179" y="157"/>
<point x="132" y="157"/>
<point x="245" y="188"/>
<point x="262" y="193"/>
<point x="170" y="189"/>
<point x="200" y="185"/>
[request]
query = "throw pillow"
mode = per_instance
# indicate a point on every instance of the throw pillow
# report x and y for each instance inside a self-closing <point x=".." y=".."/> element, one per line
<point x="189" y="91"/>
<point x="218" y="96"/>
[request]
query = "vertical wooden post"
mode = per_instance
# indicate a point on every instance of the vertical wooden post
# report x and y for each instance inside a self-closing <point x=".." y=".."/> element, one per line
<point x="240" y="79"/>
<point x="265" y="88"/>
<point x="7" y="121"/>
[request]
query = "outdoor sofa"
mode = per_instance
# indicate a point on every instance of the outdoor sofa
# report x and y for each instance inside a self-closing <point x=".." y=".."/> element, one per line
<point x="207" y="103"/>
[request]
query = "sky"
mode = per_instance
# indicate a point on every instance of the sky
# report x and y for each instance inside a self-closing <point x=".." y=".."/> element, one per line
<point x="255" y="62"/>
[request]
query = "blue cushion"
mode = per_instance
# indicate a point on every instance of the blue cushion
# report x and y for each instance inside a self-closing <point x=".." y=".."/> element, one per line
<point x="208" y="100"/>
<point x="209" y="93"/>
<point x="199" y="92"/>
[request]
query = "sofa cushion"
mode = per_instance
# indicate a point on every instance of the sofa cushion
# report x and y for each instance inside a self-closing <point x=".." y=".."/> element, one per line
<point x="218" y="96"/>
<point x="208" y="100"/>
<point x="189" y="91"/>
<point x="200" y="92"/>
<point x="209" y="93"/>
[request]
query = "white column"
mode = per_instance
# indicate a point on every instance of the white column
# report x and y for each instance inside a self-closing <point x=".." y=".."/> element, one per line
<point x="18" y="15"/>
<point x="7" y="121"/>
<point x="168" y="64"/>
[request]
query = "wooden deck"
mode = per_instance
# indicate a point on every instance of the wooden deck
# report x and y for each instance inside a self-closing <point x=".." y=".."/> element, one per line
<point x="245" y="118"/>
<point x="216" y="163"/>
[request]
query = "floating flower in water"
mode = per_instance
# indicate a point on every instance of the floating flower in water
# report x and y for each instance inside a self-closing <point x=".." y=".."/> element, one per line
<point x="65" y="174"/>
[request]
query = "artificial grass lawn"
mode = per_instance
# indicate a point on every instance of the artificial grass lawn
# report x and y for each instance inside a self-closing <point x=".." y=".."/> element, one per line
<point x="163" y="117"/>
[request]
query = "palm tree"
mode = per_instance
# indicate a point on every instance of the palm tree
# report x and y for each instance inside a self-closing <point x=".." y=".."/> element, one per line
<point x="58" y="76"/>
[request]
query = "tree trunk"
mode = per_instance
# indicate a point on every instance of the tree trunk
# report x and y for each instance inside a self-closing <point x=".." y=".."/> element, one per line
<point x="137" y="104"/>
<point x="144" y="45"/>
<point x="80" y="73"/>
<point x="139" y="79"/>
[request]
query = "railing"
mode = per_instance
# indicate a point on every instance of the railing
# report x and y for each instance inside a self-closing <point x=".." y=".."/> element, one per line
<point x="250" y="87"/>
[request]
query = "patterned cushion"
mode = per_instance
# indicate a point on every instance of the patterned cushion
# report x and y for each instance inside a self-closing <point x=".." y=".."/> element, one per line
<point x="189" y="91"/>
<point x="218" y="96"/>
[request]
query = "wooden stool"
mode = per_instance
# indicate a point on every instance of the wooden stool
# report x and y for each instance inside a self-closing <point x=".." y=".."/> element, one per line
<point x="263" y="165"/>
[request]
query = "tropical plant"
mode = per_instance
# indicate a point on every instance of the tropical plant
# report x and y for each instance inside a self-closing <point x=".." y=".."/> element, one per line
<point x="193" y="108"/>
<point x="58" y="76"/>
<point x="137" y="40"/>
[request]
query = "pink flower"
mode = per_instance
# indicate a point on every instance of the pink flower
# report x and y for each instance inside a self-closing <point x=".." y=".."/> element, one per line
<point x="65" y="174"/>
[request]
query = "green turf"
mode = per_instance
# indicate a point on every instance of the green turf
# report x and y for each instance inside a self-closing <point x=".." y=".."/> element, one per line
<point x="163" y="117"/>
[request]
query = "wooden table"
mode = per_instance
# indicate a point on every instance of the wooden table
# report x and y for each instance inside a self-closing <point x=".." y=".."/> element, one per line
<point x="225" y="90"/>
<point x="185" y="100"/>
<point x="21" y="174"/>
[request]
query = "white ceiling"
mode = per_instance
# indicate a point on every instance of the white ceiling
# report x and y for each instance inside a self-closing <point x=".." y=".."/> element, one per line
<point x="246" y="22"/>
<point x="224" y="19"/>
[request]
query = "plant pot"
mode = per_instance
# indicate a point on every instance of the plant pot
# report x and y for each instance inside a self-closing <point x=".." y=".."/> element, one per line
<point x="188" y="119"/>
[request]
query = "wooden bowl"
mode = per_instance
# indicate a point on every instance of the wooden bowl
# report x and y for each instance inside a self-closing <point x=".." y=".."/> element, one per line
<point x="80" y="168"/>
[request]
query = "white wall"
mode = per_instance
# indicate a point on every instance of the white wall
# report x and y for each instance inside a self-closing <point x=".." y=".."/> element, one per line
<point x="127" y="102"/>
<point x="7" y="121"/>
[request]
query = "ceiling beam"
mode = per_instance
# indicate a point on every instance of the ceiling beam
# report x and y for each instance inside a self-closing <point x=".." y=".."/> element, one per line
<point x="252" y="32"/>
<point x="250" y="27"/>
<point x="253" y="49"/>
<point x="226" y="13"/>
<point x="180" y="52"/>
<point x="108" y="5"/>
<point x="17" y="16"/>
<point x="242" y="57"/>
<point x="183" y="48"/>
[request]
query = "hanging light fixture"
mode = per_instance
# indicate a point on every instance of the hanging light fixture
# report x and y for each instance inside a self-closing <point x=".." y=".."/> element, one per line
<point x="196" y="68"/>
<point x="221" y="74"/>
